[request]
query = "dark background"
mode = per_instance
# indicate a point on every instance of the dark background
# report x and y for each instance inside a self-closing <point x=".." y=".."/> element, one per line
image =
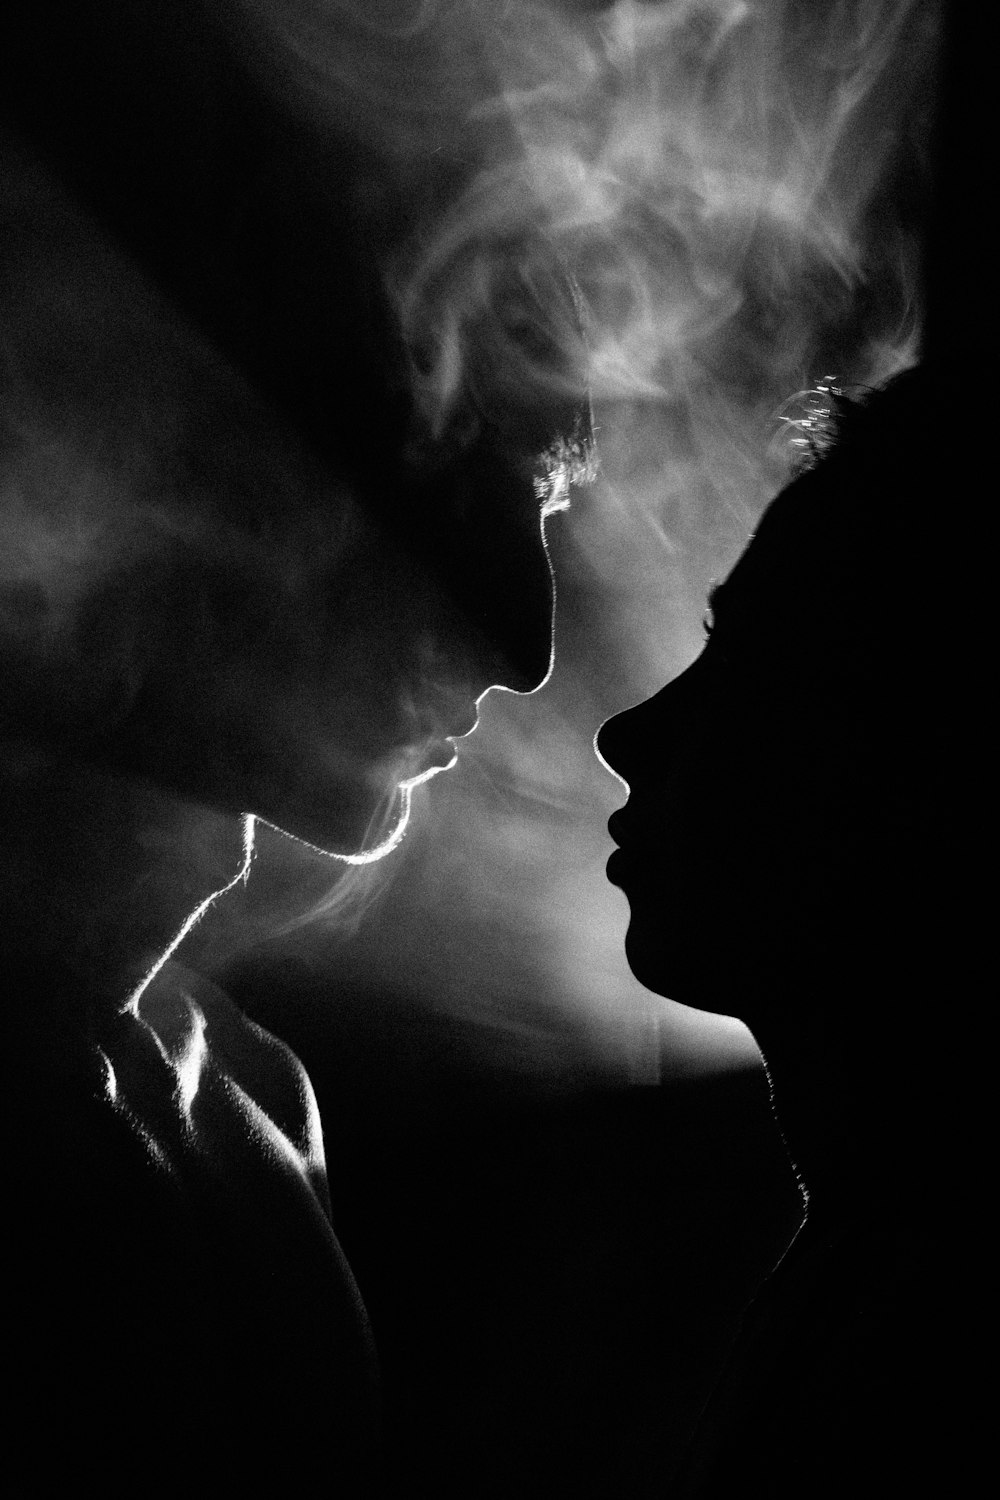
<point x="556" y="1190"/>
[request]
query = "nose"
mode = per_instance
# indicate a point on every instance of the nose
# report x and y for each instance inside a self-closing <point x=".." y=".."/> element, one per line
<point x="476" y="526"/>
<point x="661" y="738"/>
<point x="642" y="743"/>
<point x="505" y="584"/>
<point x="612" y="738"/>
<point x="510" y="603"/>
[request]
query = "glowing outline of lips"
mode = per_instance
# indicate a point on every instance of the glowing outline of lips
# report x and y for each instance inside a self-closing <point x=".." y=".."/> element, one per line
<point x="405" y="789"/>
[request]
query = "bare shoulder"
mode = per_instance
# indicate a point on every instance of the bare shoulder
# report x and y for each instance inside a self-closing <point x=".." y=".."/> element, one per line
<point x="198" y="1025"/>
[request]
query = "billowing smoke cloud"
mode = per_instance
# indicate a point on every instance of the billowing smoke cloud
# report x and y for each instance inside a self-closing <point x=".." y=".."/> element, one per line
<point x="723" y="182"/>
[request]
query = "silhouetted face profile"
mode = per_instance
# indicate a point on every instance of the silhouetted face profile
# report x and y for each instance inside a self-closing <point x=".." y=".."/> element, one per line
<point x="237" y="563"/>
<point x="785" y="792"/>
<point x="192" y="596"/>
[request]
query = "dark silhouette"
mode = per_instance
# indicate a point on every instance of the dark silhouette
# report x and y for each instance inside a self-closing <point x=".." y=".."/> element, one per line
<point x="790" y="854"/>
<point x="239" y="576"/>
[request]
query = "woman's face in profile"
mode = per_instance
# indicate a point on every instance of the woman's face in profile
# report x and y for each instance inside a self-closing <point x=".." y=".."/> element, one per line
<point x="747" y="776"/>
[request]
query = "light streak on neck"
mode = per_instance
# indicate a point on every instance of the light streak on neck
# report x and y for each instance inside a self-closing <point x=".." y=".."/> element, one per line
<point x="243" y="873"/>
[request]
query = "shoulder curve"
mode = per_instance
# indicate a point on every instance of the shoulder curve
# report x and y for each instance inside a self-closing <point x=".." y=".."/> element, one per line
<point x="260" y="1064"/>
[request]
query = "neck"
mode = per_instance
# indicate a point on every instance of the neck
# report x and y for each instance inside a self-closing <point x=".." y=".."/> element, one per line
<point x="102" y="872"/>
<point x="852" y="1102"/>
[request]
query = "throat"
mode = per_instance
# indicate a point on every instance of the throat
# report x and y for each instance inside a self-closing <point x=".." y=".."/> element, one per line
<point x="851" y="1105"/>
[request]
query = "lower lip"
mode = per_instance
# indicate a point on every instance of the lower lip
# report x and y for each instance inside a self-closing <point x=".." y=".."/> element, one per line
<point x="616" y="867"/>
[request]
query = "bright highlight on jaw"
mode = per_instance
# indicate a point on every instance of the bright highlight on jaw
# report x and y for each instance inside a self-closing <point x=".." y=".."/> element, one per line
<point x="405" y="790"/>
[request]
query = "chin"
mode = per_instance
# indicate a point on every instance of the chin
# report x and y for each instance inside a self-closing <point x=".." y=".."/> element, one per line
<point x="357" y="811"/>
<point x="670" y="959"/>
<point x="652" y="964"/>
<point x="353" y="825"/>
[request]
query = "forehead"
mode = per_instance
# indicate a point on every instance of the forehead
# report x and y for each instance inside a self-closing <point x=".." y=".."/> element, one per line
<point x="785" y="559"/>
<point x="817" y="573"/>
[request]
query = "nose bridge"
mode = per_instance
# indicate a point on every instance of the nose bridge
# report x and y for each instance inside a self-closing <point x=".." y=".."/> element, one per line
<point x="478" y="528"/>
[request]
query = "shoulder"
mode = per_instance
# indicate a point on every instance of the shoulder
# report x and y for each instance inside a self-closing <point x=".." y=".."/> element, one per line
<point x="200" y="1028"/>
